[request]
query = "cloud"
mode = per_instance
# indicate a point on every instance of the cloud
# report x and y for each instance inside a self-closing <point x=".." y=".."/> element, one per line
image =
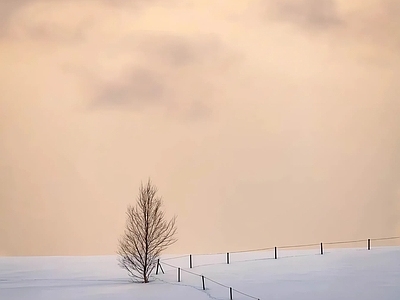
<point x="311" y="14"/>
<point x="178" y="51"/>
<point x="139" y="88"/>
<point x="44" y="24"/>
<point x="371" y="28"/>
<point x="136" y="88"/>
<point x="7" y="10"/>
<point x="378" y="25"/>
<point x="173" y="73"/>
<point x="39" y="21"/>
<point x="120" y="63"/>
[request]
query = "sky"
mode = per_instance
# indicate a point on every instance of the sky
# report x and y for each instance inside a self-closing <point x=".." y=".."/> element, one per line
<point x="262" y="123"/>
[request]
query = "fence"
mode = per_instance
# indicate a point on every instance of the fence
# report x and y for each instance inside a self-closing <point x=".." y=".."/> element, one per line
<point x="203" y="278"/>
<point x="321" y="248"/>
<point x="230" y="290"/>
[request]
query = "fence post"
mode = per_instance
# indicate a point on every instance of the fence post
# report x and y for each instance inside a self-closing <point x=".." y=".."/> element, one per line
<point x="179" y="274"/>
<point x="227" y="258"/>
<point x="322" y="249"/>
<point x="369" y="244"/>
<point x="190" y="261"/>
<point x="203" y="282"/>
<point x="230" y="293"/>
<point x="276" y="253"/>
<point x="158" y="265"/>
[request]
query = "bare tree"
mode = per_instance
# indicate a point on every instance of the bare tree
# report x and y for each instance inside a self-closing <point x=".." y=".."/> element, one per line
<point x="147" y="234"/>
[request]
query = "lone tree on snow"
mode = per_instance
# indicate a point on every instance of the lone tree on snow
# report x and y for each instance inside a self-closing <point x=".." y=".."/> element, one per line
<point x="147" y="234"/>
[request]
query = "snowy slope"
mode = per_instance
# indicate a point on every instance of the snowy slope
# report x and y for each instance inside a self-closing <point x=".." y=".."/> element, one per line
<point x="338" y="274"/>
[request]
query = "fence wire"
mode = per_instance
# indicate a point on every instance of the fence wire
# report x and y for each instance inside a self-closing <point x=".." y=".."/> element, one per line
<point x="386" y="238"/>
<point x="289" y="247"/>
<point x="345" y="242"/>
<point x="265" y="249"/>
<point x="298" y="246"/>
<point x="177" y="257"/>
<point x="244" y="294"/>
<point x="209" y="279"/>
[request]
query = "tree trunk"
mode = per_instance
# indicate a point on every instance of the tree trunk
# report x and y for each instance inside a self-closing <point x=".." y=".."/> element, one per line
<point x="146" y="280"/>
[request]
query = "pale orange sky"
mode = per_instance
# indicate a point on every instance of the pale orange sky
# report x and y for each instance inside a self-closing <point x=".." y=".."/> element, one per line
<point x="261" y="122"/>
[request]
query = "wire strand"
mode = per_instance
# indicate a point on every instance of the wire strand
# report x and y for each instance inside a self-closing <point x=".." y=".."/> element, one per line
<point x="387" y="238"/>
<point x="298" y="246"/>
<point x="252" y="250"/>
<point x="168" y="264"/>
<point x="171" y="258"/>
<point x="216" y="282"/>
<point x="186" y="271"/>
<point x="244" y="294"/>
<point x="345" y="242"/>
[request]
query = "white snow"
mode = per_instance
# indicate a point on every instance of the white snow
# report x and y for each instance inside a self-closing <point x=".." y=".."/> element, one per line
<point x="338" y="274"/>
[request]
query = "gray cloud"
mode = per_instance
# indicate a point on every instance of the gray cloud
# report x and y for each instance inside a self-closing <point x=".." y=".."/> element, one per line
<point x="53" y="32"/>
<point x="179" y="51"/>
<point x="42" y="31"/>
<point x="137" y="85"/>
<point x="136" y="88"/>
<point x="373" y="29"/>
<point x="311" y="14"/>
<point x="188" y="94"/>
<point x="7" y="10"/>
<point x="380" y="25"/>
<point x="135" y="3"/>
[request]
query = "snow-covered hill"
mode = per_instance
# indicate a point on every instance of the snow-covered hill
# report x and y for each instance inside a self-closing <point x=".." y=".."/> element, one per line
<point x="338" y="274"/>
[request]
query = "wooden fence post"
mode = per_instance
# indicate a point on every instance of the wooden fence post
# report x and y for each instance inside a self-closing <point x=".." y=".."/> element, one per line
<point x="276" y="253"/>
<point x="230" y="293"/>
<point x="203" y="282"/>
<point x="158" y="265"/>
<point x="369" y="244"/>
<point x="190" y="261"/>
<point x="179" y="274"/>
<point x="227" y="258"/>
<point x="322" y="249"/>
